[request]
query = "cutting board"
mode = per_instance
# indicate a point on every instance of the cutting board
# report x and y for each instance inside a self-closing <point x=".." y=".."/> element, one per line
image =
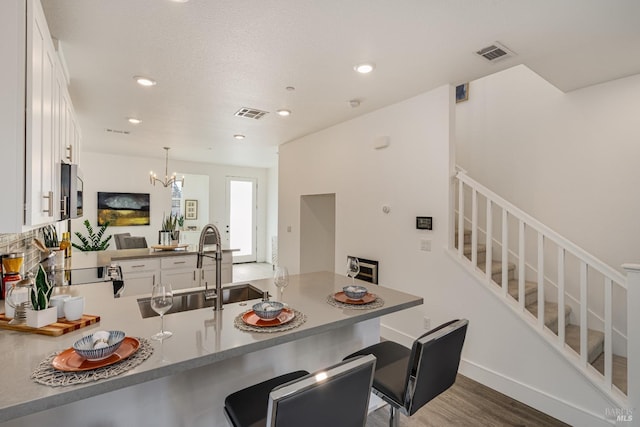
<point x="62" y="326"/>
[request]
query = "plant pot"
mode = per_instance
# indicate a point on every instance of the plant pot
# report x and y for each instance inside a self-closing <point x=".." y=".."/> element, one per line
<point x="164" y="238"/>
<point x="40" y="318"/>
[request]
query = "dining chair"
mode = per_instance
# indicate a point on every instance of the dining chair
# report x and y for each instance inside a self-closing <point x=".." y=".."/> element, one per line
<point x="134" y="242"/>
<point x="407" y="379"/>
<point x="337" y="396"/>
<point x="119" y="239"/>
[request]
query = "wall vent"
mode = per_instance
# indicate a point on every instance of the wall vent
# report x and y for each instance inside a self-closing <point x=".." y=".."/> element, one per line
<point x="251" y="113"/>
<point x="495" y="52"/>
<point x="121" y="132"/>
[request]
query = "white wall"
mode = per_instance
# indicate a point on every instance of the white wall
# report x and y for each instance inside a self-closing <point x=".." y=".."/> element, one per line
<point x="412" y="176"/>
<point x="272" y="210"/>
<point x="569" y="160"/>
<point x="105" y="172"/>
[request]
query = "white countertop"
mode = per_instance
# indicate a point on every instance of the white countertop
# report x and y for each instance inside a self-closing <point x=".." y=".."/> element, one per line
<point x="200" y="337"/>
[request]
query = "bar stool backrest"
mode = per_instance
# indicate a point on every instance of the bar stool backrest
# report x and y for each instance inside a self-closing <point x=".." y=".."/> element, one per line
<point x="337" y="396"/>
<point x="436" y="358"/>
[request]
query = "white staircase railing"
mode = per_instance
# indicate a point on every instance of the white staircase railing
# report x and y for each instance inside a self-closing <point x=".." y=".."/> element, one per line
<point x="564" y="273"/>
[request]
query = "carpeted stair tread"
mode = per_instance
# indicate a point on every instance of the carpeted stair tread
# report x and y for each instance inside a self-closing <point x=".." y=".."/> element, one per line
<point x="595" y="341"/>
<point x="619" y="370"/>
<point x="550" y="314"/>
<point x="530" y="291"/>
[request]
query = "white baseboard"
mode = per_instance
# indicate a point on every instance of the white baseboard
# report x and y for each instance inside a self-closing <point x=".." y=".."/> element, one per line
<point x="538" y="399"/>
<point x="392" y="334"/>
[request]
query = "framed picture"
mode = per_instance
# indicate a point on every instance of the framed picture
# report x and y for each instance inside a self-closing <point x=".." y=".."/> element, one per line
<point x="462" y="92"/>
<point x="190" y="209"/>
<point x="123" y="209"/>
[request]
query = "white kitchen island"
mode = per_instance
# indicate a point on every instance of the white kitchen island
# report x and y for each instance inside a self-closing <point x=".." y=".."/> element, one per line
<point x="186" y="379"/>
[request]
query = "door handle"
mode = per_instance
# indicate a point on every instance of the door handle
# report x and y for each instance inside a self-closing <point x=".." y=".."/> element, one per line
<point x="49" y="197"/>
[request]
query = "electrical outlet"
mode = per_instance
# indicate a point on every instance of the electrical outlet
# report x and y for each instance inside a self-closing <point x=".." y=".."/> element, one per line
<point x="288" y="229"/>
<point x="427" y="323"/>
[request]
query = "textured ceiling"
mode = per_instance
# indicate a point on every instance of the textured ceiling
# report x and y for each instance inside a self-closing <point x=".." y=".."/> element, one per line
<point x="211" y="58"/>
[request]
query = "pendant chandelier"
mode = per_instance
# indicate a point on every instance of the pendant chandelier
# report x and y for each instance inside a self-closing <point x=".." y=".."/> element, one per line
<point x="168" y="180"/>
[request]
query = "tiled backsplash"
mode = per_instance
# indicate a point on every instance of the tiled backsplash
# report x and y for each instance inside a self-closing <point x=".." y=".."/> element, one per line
<point x="22" y="242"/>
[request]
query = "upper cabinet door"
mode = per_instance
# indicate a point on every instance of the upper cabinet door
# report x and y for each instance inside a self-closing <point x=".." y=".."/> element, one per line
<point x="41" y="190"/>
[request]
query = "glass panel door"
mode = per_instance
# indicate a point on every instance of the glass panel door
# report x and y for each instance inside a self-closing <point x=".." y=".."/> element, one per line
<point x="241" y="218"/>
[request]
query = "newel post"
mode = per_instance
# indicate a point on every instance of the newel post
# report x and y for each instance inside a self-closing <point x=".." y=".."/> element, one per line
<point x="633" y="339"/>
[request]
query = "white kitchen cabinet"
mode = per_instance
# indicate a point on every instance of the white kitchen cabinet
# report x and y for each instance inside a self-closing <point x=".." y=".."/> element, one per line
<point x="42" y="191"/>
<point x="139" y="275"/>
<point x="179" y="271"/>
<point x="208" y="273"/>
<point x="30" y="118"/>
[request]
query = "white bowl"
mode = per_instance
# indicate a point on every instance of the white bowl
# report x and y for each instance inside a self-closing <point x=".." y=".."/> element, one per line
<point x="268" y="310"/>
<point x="354" y="292"/>
<point x="84" y="346"/>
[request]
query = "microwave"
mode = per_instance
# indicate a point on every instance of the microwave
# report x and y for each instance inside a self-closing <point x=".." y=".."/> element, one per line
<point x="71" y="187"/>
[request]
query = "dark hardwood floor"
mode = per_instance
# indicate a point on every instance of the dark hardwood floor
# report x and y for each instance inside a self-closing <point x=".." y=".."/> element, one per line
<point x="468" y="403"/>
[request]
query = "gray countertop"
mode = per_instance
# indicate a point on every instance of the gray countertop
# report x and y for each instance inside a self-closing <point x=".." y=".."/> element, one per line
<point x="80" y="259"/>
<point x="200" y="337"/>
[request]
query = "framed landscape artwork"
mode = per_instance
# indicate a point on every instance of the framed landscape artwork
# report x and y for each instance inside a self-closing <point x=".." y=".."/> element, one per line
<point x="190" y="209"/>
<point x="123" y="209"/>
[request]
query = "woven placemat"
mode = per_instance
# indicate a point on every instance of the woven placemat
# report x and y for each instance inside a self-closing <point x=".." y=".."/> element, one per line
<point x="377" y="303"/>
<point x="47" y="375"/>
<point x="298" y="319"/>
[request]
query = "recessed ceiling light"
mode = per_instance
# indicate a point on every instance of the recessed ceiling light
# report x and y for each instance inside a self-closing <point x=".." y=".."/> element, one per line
<point x="134" y="120"/>
<point x="364" y="68"/>
<point x="284" y="113"/>
<point x="238" y="136"/>
<point x="144" y="81"/>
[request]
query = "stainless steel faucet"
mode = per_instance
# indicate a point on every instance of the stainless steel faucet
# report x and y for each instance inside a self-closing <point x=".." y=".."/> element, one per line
<point x="208" y="294"/>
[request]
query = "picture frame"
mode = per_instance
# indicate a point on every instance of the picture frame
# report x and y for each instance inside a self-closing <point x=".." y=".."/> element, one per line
<point x="190" y="209"/>
<point x="124" y="209"/>
<point x="462" y="92"/>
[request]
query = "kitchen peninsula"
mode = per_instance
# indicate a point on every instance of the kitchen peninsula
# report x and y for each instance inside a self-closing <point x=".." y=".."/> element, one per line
<point x="185" y="380"/>
<point x="140" y="267"/>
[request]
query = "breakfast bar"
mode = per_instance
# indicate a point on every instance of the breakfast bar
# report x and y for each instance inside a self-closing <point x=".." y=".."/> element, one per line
<point x="185" y="379"/>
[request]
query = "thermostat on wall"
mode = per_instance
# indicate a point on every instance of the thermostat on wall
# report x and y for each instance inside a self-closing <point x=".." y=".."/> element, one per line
<point x="424" y="223"/>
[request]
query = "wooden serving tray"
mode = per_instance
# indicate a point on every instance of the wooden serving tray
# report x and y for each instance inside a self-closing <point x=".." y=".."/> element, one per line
<point x="62" y="326"/>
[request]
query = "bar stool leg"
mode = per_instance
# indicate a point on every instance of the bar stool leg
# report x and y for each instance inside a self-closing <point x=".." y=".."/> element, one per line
<point x="394" y="417"/>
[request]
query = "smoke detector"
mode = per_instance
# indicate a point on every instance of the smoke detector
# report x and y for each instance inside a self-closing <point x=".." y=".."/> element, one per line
<point x="495" y="52"/>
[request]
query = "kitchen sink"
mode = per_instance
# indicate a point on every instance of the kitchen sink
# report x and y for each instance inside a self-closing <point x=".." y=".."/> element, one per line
<point x="194" y="300"/>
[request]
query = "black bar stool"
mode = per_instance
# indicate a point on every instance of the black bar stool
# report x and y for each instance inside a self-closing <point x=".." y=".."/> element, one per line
<point x="409" y="378"/>
<point x="337" y="396"/>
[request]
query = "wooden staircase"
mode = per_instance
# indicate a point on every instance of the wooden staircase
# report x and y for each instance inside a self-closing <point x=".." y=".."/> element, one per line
<point x="595" y="339"/>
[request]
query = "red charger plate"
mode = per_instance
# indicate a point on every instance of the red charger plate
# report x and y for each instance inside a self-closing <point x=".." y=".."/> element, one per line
<point x="366" y="299"/>
<point x="70" y="361"/>
<point x="252" y="319"/>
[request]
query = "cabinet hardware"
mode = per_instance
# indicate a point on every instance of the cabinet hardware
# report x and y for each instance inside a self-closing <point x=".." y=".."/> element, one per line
<point x="64" y="206"/>
<point x="70" y="155"/>
<point x="49" y="209"/>
<point x="179" y="262"/>
<point x="137" y="266"/>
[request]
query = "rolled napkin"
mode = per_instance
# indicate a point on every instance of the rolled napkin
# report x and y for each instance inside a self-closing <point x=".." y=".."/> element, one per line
<point x="100" y="339"/>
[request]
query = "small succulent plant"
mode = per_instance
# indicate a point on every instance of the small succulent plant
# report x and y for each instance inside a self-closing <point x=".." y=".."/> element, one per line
<point x="169" y="223"/>
<point x="41" y="292"/>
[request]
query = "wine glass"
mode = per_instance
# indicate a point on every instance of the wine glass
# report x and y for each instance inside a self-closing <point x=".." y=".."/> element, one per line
<point x="353" y="268"/>
<point x="161" y="302"/>
<point x="281" y="279"/>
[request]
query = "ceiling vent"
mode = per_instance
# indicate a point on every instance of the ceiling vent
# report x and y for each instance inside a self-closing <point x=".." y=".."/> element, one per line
<point x="495" y="52"/>
<point x="251" y="113"/>
<point x="121" y="132"/>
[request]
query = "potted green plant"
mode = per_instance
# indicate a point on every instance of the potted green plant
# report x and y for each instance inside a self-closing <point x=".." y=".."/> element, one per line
<point x="93" y="241"/>
<point x="40" y="314"/>
<point x="165" y="236"/>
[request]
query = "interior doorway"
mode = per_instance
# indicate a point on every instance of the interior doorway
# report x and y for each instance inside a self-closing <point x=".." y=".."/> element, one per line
<point x="317" y="233"/>
<point x="241" y="218"/>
